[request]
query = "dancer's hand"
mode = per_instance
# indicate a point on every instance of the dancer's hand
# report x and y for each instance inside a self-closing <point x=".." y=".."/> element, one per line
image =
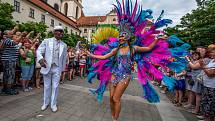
<point x="89" y="53"/>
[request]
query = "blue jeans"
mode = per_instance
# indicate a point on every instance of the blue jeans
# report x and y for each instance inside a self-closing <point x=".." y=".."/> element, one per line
<point x="27" y="72"/>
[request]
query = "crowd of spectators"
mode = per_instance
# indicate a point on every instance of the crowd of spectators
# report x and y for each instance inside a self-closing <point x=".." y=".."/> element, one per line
<point x="195" y="86"/>
<point x="18" y="67"/>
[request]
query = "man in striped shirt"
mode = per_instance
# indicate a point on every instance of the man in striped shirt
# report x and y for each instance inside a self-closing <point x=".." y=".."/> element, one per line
<point x="9" y="59"/>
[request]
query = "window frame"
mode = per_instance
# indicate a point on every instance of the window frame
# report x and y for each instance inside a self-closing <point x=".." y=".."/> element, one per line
<point x="31" y="13"/>
<point x="43" y="18"/>
<point x="85" y="30"/>
<point x="56" y="7"/>
<point x="17" y="6"/>
<point x="52" y="23"/>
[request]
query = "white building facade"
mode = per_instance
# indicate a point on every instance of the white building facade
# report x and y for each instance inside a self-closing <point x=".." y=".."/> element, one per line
<point x="89" y="24"/>
<point x="44" y="11"/>
<point x="67" y="13"/>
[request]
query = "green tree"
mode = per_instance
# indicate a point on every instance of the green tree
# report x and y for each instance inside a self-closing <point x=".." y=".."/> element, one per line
<point x="6" y="11"/>
<point x="34" y="26"/>
<point x="198" y="27"/>
<point x="72" y="39"/>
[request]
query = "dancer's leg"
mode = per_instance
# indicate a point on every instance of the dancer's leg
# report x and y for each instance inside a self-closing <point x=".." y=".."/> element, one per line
<point x="119" y="90"/>
<point x="112" y="90"/>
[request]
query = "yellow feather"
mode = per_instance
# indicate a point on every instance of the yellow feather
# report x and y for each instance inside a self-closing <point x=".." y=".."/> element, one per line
<point x="103" y="34"/>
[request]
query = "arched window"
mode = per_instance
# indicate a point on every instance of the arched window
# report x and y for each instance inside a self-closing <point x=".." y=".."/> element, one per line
<point x="114" y="19"/>
<point x="56" y="6"/>
<point x="77" y="11"/>
<point x="66" y="8"/>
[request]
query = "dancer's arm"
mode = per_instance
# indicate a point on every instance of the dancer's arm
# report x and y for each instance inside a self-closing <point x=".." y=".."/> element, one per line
<point x="103" y="57"/>
<point x="150" y="47"/>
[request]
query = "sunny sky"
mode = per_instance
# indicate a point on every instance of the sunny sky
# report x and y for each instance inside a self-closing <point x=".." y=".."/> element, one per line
<point x="174" y="9"/>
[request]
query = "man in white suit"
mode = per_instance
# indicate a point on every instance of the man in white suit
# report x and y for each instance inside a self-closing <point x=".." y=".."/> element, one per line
<point x="52" y="55"/>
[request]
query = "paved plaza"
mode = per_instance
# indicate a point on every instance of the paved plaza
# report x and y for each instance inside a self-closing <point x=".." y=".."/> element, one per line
<point x="75" y="103"/>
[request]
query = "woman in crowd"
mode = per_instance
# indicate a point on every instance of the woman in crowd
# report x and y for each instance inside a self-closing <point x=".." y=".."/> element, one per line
<point x="76" y="62"/>
<point x="66" y="70"/>
<point x="195" y="86"/>
<point x="71" y="55"/>
<point x="208" y="92"/>
<point x="36" y="41"/>
<point x="27" y="57"/>
<point x="164" y="89"/>
<point x="180" y="87"/>
<point x="82" y="63"/>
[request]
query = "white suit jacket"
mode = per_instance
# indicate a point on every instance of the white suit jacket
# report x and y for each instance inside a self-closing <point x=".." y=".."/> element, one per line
<point x="45" y="51"/>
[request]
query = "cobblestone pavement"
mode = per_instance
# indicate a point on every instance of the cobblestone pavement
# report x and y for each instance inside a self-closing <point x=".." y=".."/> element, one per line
<point x="75" y="103"/>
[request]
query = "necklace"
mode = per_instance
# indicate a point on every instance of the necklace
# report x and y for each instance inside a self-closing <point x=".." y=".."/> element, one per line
<point x="123" y="45"/>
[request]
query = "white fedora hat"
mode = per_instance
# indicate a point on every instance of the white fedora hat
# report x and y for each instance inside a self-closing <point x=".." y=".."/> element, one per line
<point x="58" y="28"/>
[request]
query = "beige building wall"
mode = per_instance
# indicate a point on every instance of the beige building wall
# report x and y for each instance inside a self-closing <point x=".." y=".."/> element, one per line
<point x="23" y="16"/>
<point x="87" y="32"/>
<point x="111" y="19"/>
<point x="52" y="2"/>
<point x="73" y="6"/>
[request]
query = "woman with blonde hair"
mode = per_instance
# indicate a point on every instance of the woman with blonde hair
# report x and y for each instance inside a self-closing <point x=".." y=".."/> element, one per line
<point x="208" y="93"/>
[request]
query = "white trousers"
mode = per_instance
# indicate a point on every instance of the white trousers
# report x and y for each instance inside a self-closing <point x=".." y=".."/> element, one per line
<point x="51" y="82"/>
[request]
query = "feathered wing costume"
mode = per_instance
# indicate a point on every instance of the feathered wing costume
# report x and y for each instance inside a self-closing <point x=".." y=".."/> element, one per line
<point x="133" y="21"/>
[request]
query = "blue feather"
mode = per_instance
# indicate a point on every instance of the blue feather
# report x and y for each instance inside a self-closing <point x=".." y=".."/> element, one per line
<point x="178" y="66"/>
<point x="138" y="13"/>
<point x="162" y="23"/>
<point x="90" y="76"/>
<point x="128" y="7"/>
<point x="131" y="7"/>
<point x="99" y="91"/>
<point x="150" y="94"/>
<point x="119" y="7"/>
<point x="161" y="16"/>
<point x="174" y="40"/>
<point x="169" y="82"/>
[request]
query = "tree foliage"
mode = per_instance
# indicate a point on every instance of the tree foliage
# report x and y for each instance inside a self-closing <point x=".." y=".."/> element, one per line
<point x="72" y="39"/>
<point x="6" y="11"/>
<point x="34" y="26"/>
<point x="197" y="27"/>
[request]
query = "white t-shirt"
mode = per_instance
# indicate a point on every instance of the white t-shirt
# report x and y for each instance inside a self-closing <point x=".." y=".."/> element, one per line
<point x="209" y="81"/>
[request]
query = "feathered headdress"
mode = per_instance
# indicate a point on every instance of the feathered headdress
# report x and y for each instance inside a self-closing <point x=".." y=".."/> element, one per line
<point x="132" y="19"/>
